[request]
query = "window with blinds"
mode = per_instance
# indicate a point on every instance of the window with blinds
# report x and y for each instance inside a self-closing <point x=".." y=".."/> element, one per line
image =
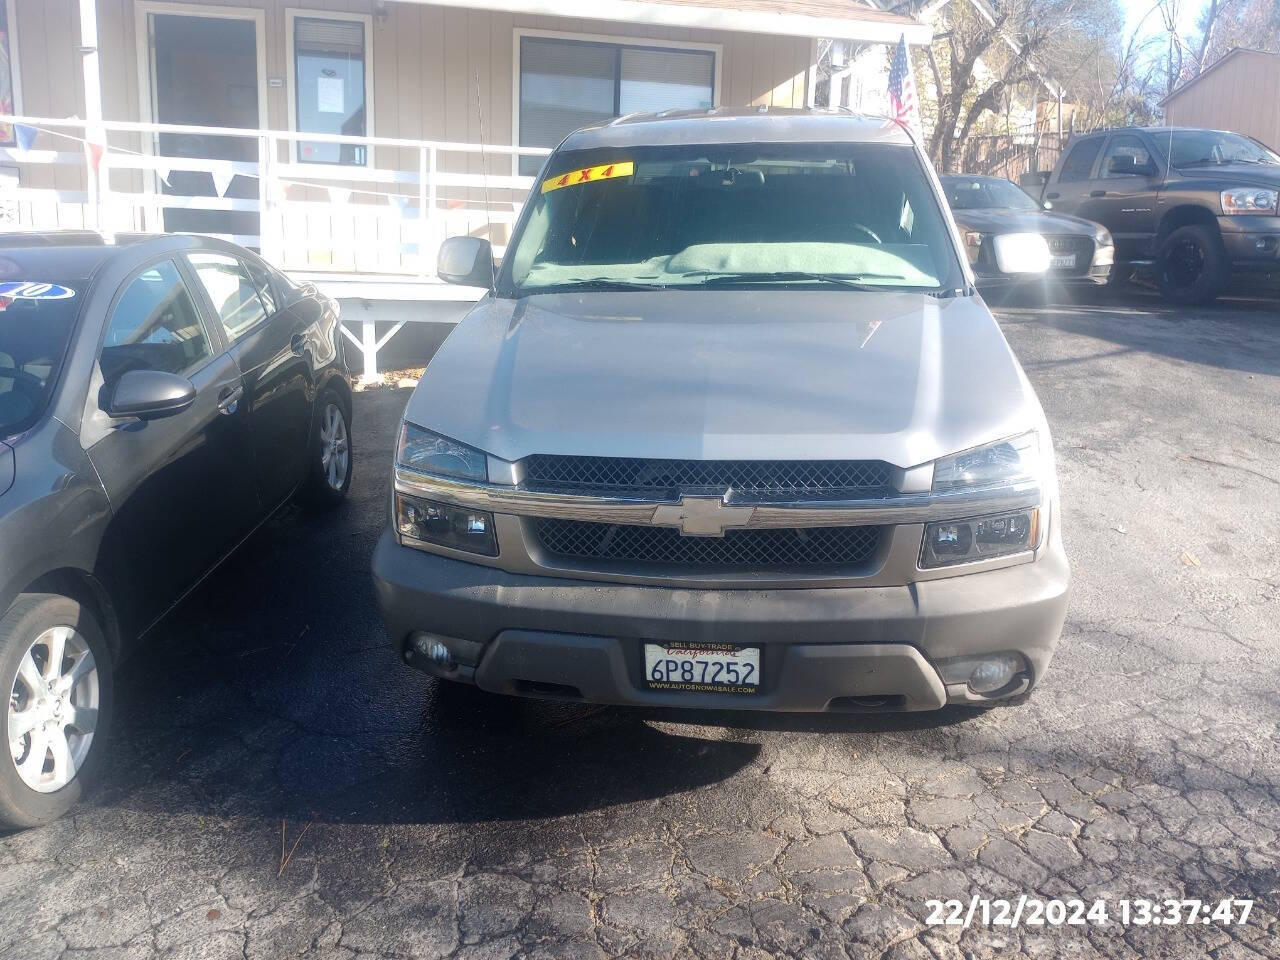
<point x="329" y="77"/>
<point x="567" y="84"/>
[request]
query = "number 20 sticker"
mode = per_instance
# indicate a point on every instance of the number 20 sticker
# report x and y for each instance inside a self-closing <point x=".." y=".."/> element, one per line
<point x="29" y="290"/>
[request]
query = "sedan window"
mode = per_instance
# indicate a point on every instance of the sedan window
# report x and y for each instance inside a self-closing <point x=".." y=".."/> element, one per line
<point x="263" y="282"/>
<point x="155" y="326"/>
<point x="36" y="320"/>
<point x="233" y="292"/>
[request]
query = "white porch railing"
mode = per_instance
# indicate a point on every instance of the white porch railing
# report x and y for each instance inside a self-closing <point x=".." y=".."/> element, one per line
<point x="374" y="228"/>
<point x="386" y="219"/>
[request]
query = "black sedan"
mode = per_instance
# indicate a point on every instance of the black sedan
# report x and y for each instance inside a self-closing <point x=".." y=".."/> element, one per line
<point x="160" y="397"/>
<point x="1080" y="251"/>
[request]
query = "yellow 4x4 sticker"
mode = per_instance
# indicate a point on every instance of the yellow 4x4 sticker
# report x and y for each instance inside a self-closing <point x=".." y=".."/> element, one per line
<point x="606" y="171"/>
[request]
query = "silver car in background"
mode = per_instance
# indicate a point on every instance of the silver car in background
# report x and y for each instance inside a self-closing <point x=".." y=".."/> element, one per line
<point x="731" y="429"/>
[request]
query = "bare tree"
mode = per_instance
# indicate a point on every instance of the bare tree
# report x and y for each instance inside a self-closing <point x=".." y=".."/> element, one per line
<point x="1227" y="24"/>
<point x="985" y="52"/>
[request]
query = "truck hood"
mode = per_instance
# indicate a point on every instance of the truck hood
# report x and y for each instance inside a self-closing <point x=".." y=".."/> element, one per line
<point x="6" y="467"/>
<point x="1025" y="221"/>
<point x="1227" y="175"/>
<point x="727" y="374"/>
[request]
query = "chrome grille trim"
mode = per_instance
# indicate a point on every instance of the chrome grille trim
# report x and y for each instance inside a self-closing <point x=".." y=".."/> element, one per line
<point x="611" y="508"/>
<point x="655" y="478"/>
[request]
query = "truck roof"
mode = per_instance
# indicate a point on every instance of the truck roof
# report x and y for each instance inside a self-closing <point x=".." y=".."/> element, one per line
<point x="738" y="125"/>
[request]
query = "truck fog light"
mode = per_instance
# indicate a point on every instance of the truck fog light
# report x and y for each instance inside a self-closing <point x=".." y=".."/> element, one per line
<point x="961" y="541"/>
<point x="434" y="650"/>
<point x="426" y="521"/>
<point x="992" y="674"/>
<point x="984" y="675"/>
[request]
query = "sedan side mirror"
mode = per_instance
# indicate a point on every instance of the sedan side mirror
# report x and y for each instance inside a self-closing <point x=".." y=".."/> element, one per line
<point x="148" y="395"/>
<point x="467" y="261"/>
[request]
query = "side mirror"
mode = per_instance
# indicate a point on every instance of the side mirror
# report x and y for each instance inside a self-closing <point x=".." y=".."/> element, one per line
<point x="1021" y="252"/>
<point x="467" y="261"/>
<point x="148" y="395"/>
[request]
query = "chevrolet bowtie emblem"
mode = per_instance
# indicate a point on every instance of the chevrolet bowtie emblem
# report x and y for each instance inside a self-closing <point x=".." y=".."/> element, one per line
<point x="702" y="516"/>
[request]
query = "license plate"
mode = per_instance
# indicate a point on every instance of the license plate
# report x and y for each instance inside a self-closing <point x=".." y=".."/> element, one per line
<point x="702" y="667"/>
<point x="1058" y="263"/>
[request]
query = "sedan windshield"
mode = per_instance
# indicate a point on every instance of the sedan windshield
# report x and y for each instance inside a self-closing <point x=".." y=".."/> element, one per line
<point x="805" y="215"/>
<point x="985" y="193"/>
<point x="36" y="320"/>
<point x="1196" y="148"/>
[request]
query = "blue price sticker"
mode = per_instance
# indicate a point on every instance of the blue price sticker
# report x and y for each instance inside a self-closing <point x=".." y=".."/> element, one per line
<point x="34" y="290"/>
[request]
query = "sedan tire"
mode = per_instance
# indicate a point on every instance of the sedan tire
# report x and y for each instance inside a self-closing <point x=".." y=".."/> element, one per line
<point x="56" y="671"/>
<point x="331" y="452"/>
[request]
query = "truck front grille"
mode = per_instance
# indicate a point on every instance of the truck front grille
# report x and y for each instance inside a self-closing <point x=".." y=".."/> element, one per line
<point x="662" y="479"/>
<point x="738" y="550"/>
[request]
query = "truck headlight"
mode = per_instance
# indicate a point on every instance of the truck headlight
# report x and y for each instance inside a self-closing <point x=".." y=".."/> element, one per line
<point x="446" y="525"/>
<point x="429" y="452"/>
<point x="1249" y="200"/>
<point x="1015" y="460"/>
<point x="962" y="541"/>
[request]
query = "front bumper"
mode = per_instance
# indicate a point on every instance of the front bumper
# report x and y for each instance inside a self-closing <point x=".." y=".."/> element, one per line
<point x="1251" y="242"/>
<point x="1096" y="276"/>
<point x="823" y="649"/>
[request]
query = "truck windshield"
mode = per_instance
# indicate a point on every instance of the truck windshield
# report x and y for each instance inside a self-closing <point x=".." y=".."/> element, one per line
<point x="1196" y="148"/>
<point x="36" y="320"/>
<point x="807" y="215"/>
<point x="981" y="193"/>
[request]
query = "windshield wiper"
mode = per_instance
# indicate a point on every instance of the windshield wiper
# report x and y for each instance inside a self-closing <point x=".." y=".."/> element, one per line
<point x="594" y="283"/>
<point x="781" y="276"/>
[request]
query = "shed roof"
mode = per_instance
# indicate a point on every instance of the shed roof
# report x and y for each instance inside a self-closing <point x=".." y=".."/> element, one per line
<point x="1229" y="56"/>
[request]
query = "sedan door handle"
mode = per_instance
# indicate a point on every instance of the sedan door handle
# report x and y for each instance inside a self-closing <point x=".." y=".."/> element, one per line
<point x="229" y="399"/>
<point x="1051" y="196"/>
<point x="1097" y="193"/>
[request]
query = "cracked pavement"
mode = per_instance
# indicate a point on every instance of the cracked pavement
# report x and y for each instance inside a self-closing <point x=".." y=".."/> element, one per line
<point x="440" y="822"/>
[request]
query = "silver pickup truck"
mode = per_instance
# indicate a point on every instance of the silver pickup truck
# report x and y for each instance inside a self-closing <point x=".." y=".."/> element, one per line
<point x="730" y="429"/>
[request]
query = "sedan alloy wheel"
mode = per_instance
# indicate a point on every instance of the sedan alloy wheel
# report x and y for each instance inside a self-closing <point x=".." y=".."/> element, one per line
<point x="53" y="709"/>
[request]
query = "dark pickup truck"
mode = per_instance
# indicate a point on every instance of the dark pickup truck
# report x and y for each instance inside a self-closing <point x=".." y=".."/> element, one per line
<point x="1192" y="205"/>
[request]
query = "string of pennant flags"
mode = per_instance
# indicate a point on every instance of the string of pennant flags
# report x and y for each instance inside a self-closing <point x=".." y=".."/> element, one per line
<point x="25" y="138"/>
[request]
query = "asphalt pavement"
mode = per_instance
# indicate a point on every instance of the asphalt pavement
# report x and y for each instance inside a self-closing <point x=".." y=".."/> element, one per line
<point x="282" y="785"/>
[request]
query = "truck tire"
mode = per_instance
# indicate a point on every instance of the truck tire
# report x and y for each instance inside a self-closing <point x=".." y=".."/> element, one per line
<point x="55" y="668"/>
<point x="1191" y="266"/>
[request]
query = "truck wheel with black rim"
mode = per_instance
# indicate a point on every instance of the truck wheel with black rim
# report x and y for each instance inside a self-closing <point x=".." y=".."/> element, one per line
<point x="1191" y="266"/>
<point x="56" y="670"/>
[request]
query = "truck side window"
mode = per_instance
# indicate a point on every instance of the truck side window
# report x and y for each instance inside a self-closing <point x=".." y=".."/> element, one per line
<point x="1079" y="162"/>
<point x="1125" y="146"/>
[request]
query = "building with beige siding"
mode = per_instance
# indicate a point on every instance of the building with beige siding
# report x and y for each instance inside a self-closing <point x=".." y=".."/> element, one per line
<point x="1240" y="93"/>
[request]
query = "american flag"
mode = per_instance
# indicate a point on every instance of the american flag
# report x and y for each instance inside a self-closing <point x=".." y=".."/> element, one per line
<point x="902" y="90"/>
